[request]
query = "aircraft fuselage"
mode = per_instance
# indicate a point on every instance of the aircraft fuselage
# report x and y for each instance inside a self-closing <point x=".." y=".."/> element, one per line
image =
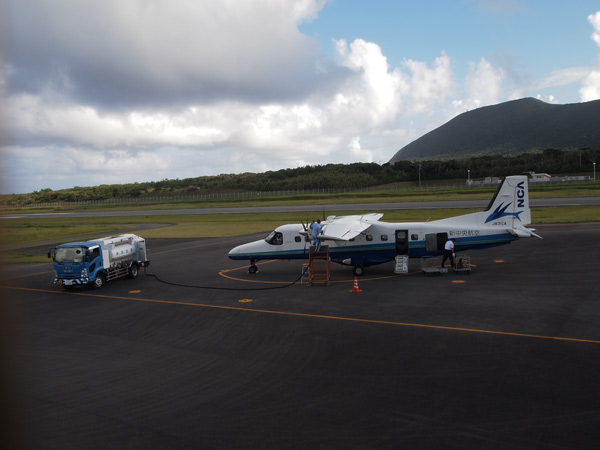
<point x="382" y="243"/>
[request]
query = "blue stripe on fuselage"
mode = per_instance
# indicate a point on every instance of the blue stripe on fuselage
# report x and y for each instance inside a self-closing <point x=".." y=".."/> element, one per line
<point x="370" y="254"/>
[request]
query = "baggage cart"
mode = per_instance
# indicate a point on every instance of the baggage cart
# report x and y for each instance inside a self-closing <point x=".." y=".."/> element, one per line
<point x="462" y="263"/>
<point x="430" y="265"/>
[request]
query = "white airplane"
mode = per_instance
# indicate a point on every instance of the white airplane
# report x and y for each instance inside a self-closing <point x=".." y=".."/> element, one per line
<point x="361" y="240"/>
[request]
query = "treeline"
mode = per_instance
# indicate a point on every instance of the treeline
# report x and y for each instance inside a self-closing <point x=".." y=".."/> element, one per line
<point x="330" y="176"/>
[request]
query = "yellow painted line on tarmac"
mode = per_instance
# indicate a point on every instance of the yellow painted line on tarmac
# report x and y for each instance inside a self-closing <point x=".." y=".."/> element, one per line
<point x="313" y="316"/>
<point x="225" y="274"/>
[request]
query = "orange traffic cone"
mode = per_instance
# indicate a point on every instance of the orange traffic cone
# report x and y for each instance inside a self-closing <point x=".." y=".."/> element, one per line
<point x="355" y="289"/>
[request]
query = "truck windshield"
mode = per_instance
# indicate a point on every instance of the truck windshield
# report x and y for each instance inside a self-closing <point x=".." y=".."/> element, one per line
<point x="69" y="255"/>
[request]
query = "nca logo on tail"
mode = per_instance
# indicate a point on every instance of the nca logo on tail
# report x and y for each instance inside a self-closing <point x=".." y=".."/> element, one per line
<point x="500" y="211"/>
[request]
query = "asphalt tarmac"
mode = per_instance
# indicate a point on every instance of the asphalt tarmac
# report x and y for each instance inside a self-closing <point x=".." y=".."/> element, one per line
<point x="506" y="357"/>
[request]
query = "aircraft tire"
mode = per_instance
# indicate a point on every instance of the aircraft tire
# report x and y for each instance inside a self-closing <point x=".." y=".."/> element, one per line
<point x="252" y="269"/>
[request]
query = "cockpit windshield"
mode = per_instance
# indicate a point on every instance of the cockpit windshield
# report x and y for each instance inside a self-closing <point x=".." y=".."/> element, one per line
<point x="275" y="238"/>
<point x="69" y="255"/>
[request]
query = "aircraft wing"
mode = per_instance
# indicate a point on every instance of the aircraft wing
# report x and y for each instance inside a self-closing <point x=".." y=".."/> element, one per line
<point x="348" y="227"/>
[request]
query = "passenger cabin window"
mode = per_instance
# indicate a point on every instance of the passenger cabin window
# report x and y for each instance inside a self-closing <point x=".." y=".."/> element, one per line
<point x="414" y="237"/>
<point x="369" y="237"/>
<point x="384" y="237"/>
<point x="275" y="238"/>
<point x="297" y="239"/>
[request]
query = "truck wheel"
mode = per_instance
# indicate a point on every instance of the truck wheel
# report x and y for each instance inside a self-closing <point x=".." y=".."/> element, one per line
<point x="359" y="270"/>
<point x="98" y="282"/>
<point x="133" y="271"/>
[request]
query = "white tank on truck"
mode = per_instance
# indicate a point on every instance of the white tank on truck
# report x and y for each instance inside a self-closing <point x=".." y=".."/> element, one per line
<point x="98" y="261"/>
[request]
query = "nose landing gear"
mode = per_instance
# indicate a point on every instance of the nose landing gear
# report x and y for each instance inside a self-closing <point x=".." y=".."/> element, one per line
<point x="252" y="269"/>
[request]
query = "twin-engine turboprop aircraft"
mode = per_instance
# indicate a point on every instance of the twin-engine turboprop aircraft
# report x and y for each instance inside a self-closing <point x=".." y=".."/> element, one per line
<point x="362" y="240"/>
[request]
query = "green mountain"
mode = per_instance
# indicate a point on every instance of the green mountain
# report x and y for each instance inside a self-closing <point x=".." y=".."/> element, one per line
<point x="509" y="128"/>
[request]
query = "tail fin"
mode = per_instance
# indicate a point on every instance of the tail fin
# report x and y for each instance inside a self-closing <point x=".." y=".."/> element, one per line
<point x="510" y="203"/>
<point x="508" y="209"/>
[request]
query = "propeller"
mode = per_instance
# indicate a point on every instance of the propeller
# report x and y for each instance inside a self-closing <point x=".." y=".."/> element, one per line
<point x="307" y="237"/>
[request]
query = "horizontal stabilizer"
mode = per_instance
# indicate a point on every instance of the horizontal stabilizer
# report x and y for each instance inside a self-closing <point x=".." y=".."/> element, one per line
<point x="523" y="232"/>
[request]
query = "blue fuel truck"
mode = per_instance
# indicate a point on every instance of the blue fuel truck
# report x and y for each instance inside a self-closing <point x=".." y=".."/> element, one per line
<point x="97" y="261"/>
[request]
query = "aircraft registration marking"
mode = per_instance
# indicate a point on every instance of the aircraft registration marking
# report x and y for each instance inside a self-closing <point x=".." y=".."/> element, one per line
<point x="463" y="233"/>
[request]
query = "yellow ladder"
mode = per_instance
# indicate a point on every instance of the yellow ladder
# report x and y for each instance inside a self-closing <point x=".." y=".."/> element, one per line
<point x="319" y="271"/>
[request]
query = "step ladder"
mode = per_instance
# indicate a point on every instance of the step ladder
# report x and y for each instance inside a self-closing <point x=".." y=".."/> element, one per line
<point x="319" y="270"/>
<point x="401" y="264"/>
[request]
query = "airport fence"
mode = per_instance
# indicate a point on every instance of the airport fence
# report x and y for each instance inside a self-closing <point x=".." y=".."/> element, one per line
<point x="233" y="196"/>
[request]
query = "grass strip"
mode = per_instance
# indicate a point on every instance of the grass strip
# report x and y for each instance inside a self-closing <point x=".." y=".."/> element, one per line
<point x="25" y="235"/>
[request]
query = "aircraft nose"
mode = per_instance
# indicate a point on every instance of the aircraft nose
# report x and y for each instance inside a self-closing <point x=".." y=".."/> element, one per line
<point x="234" y="252"/>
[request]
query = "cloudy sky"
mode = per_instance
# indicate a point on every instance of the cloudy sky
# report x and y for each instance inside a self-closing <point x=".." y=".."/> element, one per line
<point x="111" y="91"/>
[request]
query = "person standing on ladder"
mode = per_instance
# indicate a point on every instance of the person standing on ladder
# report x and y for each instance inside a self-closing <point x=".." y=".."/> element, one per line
<point x="316" y="230"/>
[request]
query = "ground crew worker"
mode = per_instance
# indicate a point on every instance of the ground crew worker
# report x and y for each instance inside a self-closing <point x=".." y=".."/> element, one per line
<point x="449" y="252"/>
<point x="316" y="230"/>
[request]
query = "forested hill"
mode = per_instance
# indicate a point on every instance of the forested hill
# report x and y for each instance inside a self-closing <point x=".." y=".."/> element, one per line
<point x="510" y="128"/>
<point x="330" y="177"/>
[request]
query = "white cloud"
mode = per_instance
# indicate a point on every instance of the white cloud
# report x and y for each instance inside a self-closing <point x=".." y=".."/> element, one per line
<point x="117" y="94"/>
<point x="383" y="93"/>
<point x="361" y="119"/>
<point x="114" y="52"/>
<point x="594" y="19"/>
<point x="546" y="98"/>
<point x="590" y="86"/>
<point x="563" y="77"/>
<point x="426" y="86"/>
<point x="590" y="89"/>
<point x="377" y="91"/>
<point x="483" y="84"/>
<point x="587" y="77"/>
